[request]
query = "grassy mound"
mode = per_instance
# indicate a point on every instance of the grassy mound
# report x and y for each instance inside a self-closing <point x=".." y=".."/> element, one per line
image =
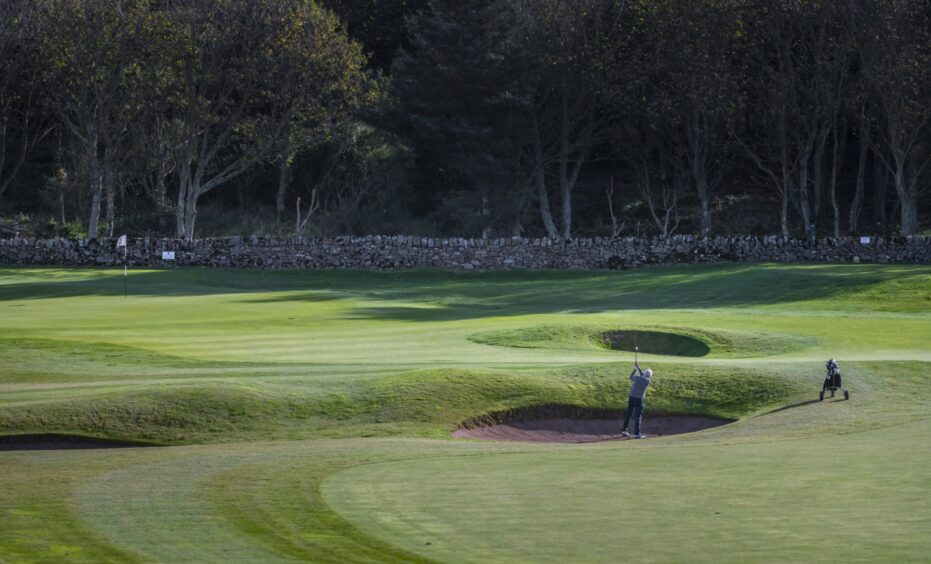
<point x="660" y="340"/>
<point x="420" y="403"/>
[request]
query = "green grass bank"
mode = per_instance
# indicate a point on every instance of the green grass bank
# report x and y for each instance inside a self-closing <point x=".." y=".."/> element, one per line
<point x="308" y="414"/>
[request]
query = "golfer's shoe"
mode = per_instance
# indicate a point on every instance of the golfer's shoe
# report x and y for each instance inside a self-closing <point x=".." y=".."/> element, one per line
<point x="624" y="433"/>
<point x="640" y="436"/>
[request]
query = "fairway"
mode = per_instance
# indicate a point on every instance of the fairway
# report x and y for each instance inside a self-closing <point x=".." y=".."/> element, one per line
<point x="308" y="415"/>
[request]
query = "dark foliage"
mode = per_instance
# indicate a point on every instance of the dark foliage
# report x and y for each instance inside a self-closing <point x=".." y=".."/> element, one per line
<point x="492" y="118"/>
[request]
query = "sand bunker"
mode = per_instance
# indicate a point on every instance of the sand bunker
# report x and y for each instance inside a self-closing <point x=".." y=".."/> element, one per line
<point x="572" y="430"/>
<point x="59" y="442"/>
<point x="655" y="342"/>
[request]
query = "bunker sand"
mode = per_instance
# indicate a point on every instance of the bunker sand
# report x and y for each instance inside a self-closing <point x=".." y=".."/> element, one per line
<point x="569" y="430"/>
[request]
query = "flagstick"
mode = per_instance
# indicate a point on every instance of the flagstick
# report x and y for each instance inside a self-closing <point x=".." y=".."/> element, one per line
<point x="125" y="268"/>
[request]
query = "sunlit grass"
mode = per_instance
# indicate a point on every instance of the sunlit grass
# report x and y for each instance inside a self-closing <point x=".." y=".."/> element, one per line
<point x="287" y="384"/>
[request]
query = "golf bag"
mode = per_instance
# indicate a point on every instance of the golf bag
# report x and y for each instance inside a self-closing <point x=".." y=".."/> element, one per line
<point x="832" y="381"/>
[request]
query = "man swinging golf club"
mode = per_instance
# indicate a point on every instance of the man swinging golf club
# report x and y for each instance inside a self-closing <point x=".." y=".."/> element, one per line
<point x="640" y="381"/>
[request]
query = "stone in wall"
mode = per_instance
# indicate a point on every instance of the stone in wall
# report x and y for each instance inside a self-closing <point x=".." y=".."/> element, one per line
<point x="396" y="252"/>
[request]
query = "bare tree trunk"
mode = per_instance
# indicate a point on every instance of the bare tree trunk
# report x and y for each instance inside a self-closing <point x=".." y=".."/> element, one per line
<point x="486" y="228"/>
<point x="908" y="197"/>
<point x="838" y="149"/>
<point x="301" y="223"/>
<point x="161" y="192"/>
<point x="784" y="212"/>
<point x="521" y="190"/>
<point x="161" y="189"/>
<point x="565" y="193"/>
<point x="784" y="217"/>
<point x="818" y="175"/>
<point x="282" y="186"/>
<point x="184" y="188"/>
<point x="857" y="203"/>
<point x="880" y="188"/>
<point x="701" y="186"/>
<point x="616" y="227"/>
<point x="909" y="214"/>
<point x="96" y="189"/>
<point x="111" y="209"/>
<point x="834" y="206"/>
<point x="700" y="171"/>
<point x="284" y="172"/>
<point x="803" y="187"/>
<point x="190" y="213"/>
<point x="110" y="189"/>
<point x="545" y="213"/>
<point x="540" y="181"/>
<point x="786" y="176"/>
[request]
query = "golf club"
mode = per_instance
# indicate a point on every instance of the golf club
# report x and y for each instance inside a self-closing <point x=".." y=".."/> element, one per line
<point x="636" y="349"/>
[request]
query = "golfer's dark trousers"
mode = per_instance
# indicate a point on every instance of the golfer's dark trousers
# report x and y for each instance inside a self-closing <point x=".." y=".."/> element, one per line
<point x="635" y="408"/>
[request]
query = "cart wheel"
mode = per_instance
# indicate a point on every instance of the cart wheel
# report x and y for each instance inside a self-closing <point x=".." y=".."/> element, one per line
<point x="821" y="396"/>
<point x="846" y="395"/>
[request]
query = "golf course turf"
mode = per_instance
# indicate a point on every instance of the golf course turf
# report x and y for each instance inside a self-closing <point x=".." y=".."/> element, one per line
<point x="304" y="415"/>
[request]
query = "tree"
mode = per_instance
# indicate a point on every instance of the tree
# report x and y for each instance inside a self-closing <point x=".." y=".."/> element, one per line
<point x="895" y="49"/>
<point x="795" y="69"/>
<point x="690" y="60"/>
<point x="565" y="122"/>
<point x="379" y="25"/>
<point x="298" y="66"/>
<point x="248" y="72"/>
<point x="348" y="184"/>
<point x="22" y="120"/>
<point x="149" y="148"/>
<point x="862" y="116"/>
<point x="462" y="101"/>
<point x="93" y="52"/>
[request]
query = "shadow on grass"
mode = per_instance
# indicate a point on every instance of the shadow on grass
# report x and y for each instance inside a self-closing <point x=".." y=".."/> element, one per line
<point x="793" y="406"/>
<point x="449" y="296"/>
<point x="57" y="441"/>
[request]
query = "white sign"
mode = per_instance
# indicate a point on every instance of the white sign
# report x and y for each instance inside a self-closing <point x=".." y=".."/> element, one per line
<point x="121" y="242"/>
<point x="865" y="240"/>
<point x="168" y="255"/>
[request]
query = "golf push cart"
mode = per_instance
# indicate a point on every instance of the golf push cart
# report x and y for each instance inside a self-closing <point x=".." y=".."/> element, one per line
<point x="832" y="381"/>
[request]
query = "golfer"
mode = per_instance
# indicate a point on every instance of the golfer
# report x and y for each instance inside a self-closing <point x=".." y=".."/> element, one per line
<point x="640" y="381"/>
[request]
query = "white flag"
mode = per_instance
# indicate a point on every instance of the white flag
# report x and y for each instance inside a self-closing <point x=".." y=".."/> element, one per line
<point x="121" y="242"/>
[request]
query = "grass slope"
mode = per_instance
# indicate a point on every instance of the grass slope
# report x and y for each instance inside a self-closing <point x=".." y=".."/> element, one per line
<point x="314" y="361"/>
<point x="658" y="340"/>
<point x="415" y="403"/>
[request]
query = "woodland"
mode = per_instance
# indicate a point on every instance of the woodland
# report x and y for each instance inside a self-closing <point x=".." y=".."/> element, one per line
<point x="472" y="118"/>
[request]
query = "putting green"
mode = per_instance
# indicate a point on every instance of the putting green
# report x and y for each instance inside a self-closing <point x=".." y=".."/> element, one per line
<point x="311" y="413"/>
<point x="845" y="499"/>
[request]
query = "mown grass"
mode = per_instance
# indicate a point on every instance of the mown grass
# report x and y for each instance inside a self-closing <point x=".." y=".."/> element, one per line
<point x="359" y="377"/>
<point x="824" y="499"/>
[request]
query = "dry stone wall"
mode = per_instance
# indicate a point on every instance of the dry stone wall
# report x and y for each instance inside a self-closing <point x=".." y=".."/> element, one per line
<point x="396" y="252"/>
